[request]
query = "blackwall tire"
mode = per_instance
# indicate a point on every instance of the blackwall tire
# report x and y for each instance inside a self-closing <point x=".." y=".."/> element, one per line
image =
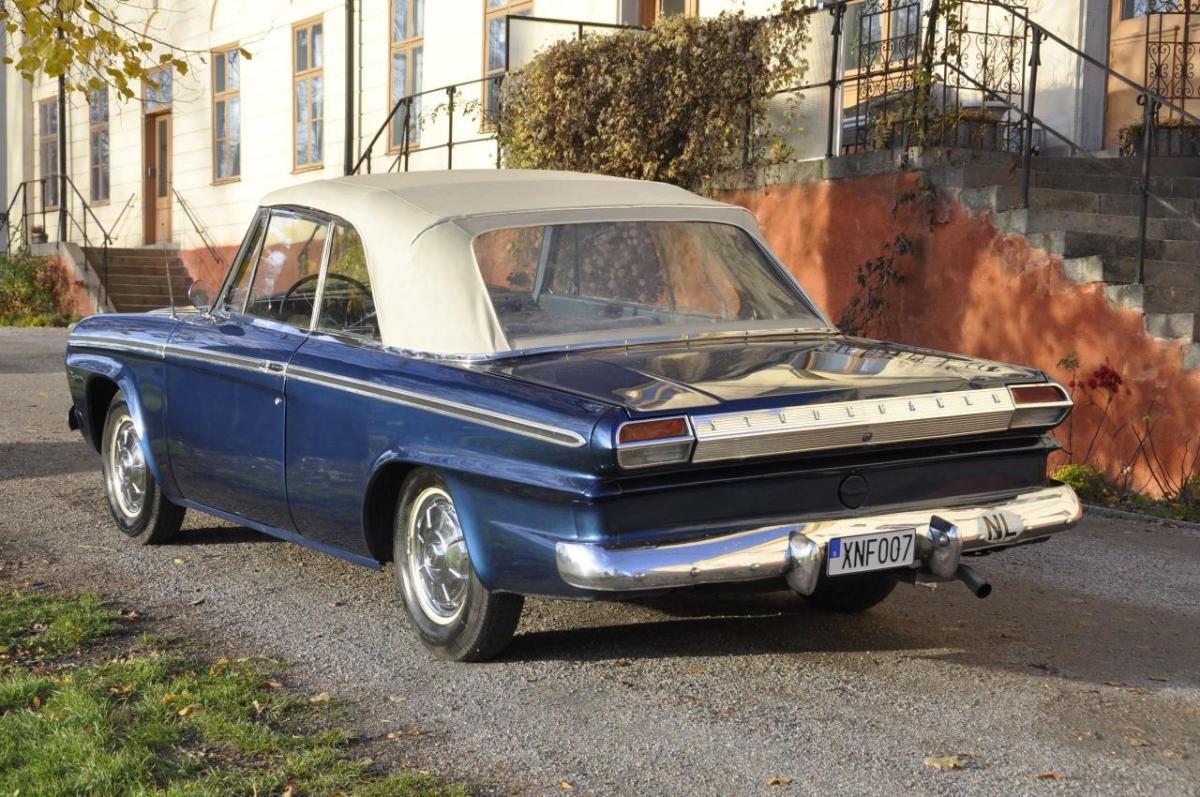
<point x="138" y="506"/>
<point x="448" y="607"/>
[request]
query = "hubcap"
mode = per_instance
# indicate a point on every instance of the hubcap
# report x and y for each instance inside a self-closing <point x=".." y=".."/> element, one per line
<point x="126" y="470"/>
<point x="437" y="556"/>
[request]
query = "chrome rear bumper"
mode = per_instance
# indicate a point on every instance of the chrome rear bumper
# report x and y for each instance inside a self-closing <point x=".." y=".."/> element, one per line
<point x="798" y="549"/>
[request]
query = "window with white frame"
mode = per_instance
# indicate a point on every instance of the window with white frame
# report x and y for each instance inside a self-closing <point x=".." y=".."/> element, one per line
<point x="98" y="157"/>
<point x="407" y="54"/>
<point x="308" y="94"/>
<point x="227" y="114"/>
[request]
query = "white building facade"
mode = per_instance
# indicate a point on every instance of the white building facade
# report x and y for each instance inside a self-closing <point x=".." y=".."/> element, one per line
<point x="190" y="159"/>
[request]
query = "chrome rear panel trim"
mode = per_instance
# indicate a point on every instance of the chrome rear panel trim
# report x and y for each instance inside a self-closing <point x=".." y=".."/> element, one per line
<point x="813" y="427"/>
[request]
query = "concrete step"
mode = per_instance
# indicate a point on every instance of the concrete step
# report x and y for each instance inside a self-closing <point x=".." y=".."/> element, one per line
<point x="1160" y="300"/>
<point x="1036" y="221"/>
<point x="158" y="271"/>
<point x="1123" y="270"/>
<point x="1174" y="326"/>
<point x="1083" y="164"/>
<point x="1160" y="185"/>
<point x="1111" y="204"/>
<point x="1009" y="197"/>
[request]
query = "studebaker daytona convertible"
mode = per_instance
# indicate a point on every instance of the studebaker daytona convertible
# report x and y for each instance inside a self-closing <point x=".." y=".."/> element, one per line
<point x="537" y="383"/>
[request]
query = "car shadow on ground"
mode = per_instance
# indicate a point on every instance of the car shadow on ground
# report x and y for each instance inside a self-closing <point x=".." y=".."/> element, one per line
<point x="225" y="535"/>
<point x="34" y="460"/>
<point x="1070" y="635"/>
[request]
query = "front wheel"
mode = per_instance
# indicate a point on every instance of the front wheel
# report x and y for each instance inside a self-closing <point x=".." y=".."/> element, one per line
<point x="450" y="609"/>
<point x="138" y="506"/>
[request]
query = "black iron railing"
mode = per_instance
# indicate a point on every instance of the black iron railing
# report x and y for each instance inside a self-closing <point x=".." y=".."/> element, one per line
<point x="63" y="190"/>
<point x="473" y="104"/>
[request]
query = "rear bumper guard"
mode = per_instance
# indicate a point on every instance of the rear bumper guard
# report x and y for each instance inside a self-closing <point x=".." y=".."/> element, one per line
<point x="797" y="550"/>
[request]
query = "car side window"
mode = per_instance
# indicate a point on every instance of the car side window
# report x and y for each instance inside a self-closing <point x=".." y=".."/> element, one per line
<point x="243" y="270"/>
<point x="347" y="303"/>
<point x="285" y="281"/>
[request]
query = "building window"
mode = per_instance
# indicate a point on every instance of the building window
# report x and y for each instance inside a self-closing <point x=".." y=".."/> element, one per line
<point x="157" y="89"/>
<point x="308" y="93"/>
<point x="98" y="144"/>
<point x="48" y="150"/>
<point x="495" y="47"/>
<point x="674" y="8"/>
<point x="1132" y="9"/>
<point x="407" y="59"/>
<point x="227" y="115"/>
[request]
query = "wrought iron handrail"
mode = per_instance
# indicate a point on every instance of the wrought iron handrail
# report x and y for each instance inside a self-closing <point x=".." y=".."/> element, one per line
<point x="64" y="210"/>
<point x="201" y="230"/>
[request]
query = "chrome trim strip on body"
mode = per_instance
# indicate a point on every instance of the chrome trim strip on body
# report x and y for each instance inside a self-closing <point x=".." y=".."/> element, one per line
<point x="241" y="361"/>
<point x="813" y="427"/>
<point x="453" y="409"/>
<point x="490" y="418"/>
<point x="765" y="552"/>
<point x="106" y="343"/>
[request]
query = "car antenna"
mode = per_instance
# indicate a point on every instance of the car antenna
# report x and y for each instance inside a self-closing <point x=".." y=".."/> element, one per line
<point x="170" y="287"/>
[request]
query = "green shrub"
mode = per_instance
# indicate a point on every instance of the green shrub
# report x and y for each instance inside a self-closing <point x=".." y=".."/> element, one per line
<point x="674" y="103"/>
<point x="30" y="288"/>
<point x="1088" y="482"/>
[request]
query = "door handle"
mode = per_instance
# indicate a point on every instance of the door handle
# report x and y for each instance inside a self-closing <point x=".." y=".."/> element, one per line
<point x="273" y="367"/>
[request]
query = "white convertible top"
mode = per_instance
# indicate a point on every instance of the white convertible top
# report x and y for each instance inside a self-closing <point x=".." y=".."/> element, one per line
<point x="417" y="228"/>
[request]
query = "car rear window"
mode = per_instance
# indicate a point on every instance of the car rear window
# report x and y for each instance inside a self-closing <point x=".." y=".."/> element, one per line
<point x="640" y="278"/>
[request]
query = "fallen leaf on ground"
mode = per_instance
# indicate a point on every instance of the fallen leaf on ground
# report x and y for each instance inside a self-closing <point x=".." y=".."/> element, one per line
<point x="408" y="733"/>
<point x="1049" y="775"/>
<point x="1158" y="678"/>
<point x="1138" y="690"/>
<point x="270" y="685"/>
<point x="565" y="785"/>
<point x="179" y="560"/>
<point x="324" y="697"/>
<point x="947" y="762"/>
<point x="396" y="698"/>
<point x="779" y="780"/>
<point x="191" y="708"/>
<point x="289" y="790"/>
<point x="196" y="602"/>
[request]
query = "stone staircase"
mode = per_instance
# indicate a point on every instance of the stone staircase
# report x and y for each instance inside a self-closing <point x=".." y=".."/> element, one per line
<point x="1086" y="211"/>
<point x="136" y="279"/>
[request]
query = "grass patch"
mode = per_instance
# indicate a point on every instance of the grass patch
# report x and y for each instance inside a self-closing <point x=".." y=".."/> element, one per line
<point x="86" y="711"/>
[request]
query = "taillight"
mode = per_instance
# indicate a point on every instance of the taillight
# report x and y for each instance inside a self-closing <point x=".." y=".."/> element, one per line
<point x="1039" y="406"/>
<point x="660" y="441"/>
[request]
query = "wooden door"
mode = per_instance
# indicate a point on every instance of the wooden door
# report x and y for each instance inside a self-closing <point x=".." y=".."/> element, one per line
<point x="157" y="193"/>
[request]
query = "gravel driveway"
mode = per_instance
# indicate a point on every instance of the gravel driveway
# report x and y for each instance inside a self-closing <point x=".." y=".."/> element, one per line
<point x="1083" y="667"/>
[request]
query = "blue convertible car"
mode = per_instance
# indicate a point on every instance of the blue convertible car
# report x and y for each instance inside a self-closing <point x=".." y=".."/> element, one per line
<point x="537" y="383"/>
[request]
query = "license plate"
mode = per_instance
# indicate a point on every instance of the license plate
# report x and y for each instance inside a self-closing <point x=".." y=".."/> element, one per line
<point x="871" y="552"/>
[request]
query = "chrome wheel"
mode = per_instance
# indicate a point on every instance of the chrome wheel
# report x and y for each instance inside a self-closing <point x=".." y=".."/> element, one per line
<point x="126" y="477"/>
<point x="438" y="565"/>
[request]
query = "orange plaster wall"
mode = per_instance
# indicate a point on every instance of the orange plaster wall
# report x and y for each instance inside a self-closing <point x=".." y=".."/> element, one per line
<point x="970" y="289"/>
<point x="200" y="265"/>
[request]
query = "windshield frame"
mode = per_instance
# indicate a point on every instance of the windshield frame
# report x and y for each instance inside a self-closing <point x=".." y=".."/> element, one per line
<point x="604" y="338"/>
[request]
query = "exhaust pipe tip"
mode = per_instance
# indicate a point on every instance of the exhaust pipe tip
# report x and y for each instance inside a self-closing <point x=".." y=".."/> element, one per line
<point x="977" y="584"/>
